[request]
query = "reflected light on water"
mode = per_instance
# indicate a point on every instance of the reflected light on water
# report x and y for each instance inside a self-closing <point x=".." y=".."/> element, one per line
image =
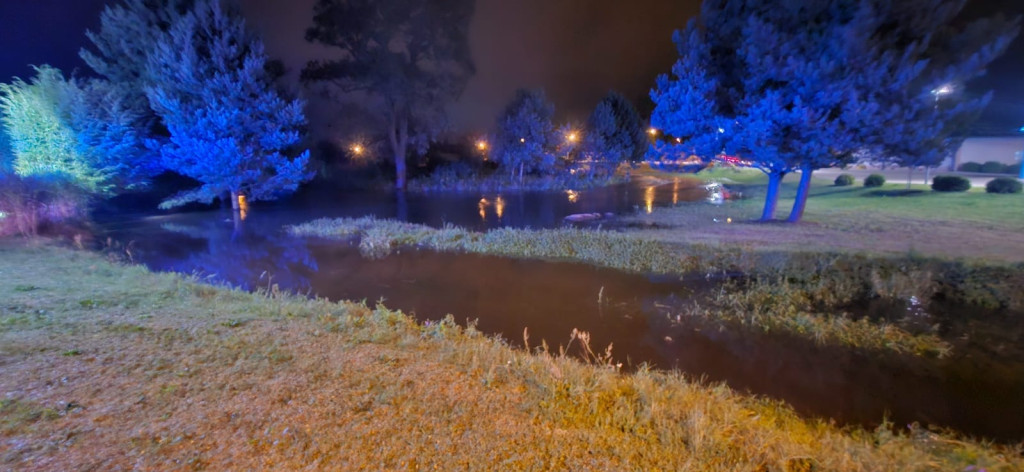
<point x="499" y="206"/>
<point x="649" y="199"/>
<point x="483" y="208"/>
<point x="675" y="192"/>
<point x="243" y="207"/>
<point x="572" y="195"/>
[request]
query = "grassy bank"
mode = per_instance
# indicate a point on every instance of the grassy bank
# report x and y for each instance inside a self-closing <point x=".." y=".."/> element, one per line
<point x="108" y="367"/>
<point x="970" y="225"/>
<point x="801" y="293"/>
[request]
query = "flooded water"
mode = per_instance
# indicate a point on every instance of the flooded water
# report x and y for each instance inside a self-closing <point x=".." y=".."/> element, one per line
<point x="633" y="312"/>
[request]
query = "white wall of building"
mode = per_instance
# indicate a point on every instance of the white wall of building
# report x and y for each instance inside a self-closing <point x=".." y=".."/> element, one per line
<point x="1005" y="150"/>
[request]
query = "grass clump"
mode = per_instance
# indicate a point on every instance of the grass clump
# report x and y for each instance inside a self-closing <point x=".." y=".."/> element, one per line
<point x="311" y="384"/>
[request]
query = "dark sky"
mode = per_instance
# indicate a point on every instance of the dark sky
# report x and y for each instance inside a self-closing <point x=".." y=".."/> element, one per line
<point x="576" y="49"/>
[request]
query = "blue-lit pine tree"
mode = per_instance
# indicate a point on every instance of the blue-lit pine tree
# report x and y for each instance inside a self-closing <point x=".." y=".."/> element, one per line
<point x="230" y="128"/>
<point x="524" y="134"/>
<point x="800" y="85"/>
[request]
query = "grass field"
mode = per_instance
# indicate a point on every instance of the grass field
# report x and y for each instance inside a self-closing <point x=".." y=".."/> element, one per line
<point x="971" y="225"/>
<point x="108" y="367"/>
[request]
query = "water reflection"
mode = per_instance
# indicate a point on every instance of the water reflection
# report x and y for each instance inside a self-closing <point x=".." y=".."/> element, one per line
<point x="215" y="248"/>
<point x="572" y="195"/>
<point x="649" y="199"/>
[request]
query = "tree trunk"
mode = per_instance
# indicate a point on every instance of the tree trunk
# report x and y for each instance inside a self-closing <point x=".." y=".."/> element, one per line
<point x="234" y="200"/>
<point x="801" y="194"/>
<point x="400" y="171"/>
<point x="927" y="174"/>
<point x="910" y="174"/>
<point x="521" y="165"/>
<point x="771" y="200"/>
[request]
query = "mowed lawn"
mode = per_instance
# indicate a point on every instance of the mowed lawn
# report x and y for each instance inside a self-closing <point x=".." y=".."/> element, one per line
<point x="883" y="220"/>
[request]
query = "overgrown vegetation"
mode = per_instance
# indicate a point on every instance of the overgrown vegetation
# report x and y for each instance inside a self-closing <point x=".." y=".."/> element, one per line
<point x="172" y="374"/>
<point x="31" y="205"/>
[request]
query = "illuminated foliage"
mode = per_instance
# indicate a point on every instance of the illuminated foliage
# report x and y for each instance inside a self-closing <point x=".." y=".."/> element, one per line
<point x="409" y="57"/>
<point x="230" y="128"/>
<point x="525" y="133"/>
<point x="801" y="85"/>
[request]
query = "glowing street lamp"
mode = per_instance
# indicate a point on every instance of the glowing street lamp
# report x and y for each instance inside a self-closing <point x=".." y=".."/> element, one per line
<point x="942" y="91"/>
<point x="522" y="140"/>
<point x="652" y="131"/>
<point x="358" y="149"/>
<point x="481" y="145"/>
<point x="572" y="137"/>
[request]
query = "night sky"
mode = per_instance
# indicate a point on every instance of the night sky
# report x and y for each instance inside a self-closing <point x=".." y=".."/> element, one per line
<point x="576" y="49"/>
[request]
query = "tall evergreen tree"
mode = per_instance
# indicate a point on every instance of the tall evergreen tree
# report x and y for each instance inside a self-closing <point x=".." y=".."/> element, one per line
<point x="410" y="57"/>
<point x="525" y="134"/>
<point x="230" y="128"/>
<point x="129" y="32"/>
<point x="801" y="84"/>
<point x="615" y="132"/>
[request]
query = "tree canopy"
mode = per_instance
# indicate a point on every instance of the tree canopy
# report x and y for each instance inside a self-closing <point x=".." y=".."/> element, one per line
<point x="230" y="128"/>
<point x="615" y="132"/>
<point x="800" y="84"/>
<point x="410" y="58"/>
<point x="524" y="133"/>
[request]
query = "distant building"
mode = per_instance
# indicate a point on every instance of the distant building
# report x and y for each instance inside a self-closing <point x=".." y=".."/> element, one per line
<point x="1005" y="150"/>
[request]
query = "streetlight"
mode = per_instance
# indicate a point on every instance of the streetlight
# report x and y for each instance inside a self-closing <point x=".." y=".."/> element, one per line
<point x="939" y="92"/>
<point x="358" y="149"/>
<point x="572" y="137"/>
<point x="652" y="131"/>
<point x="481" y="145"/>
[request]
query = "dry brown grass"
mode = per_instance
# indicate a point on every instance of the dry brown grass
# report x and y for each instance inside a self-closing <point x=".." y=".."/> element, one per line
<point x="107" y="367"/>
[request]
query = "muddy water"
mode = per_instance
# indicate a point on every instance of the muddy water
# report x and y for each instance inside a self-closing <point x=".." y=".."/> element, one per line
<point x="972" y="393"/>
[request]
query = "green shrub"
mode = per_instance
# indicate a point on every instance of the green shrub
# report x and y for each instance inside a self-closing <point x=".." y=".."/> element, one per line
<point x="993" y="167"/>
<point x="1004" y="185"/>
<point x="874" y="180"/>
<point x="1013" y="170"/>
<point x="969" y="167"/>
<point x="844" y="180"/>
<point x="950" y="183"/>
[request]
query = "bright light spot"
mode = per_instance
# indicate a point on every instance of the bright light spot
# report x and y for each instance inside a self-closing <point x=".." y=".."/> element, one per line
<point x="675" y="192"/>
<point x="573" y="195"/>
<point x="483" y="208"/>
<point x="499" y="206"/>
<point x="649" y="199"/>
<point x="481" y="145"/>
<point x="652" y="131"/>
<point x="943" y="90"/>
<point x="572" y="137"/>
<point x="243" y="207"/>
<point x="721" y="130"/>
<point x="728" y="220"/>
<point x="358" y="149"/>
<point x="522" y="140"/>
<point x="1021" y="129"/>
<point x="679" y="140"/>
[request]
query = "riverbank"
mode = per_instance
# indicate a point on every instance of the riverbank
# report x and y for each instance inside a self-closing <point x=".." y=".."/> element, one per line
<point x="113" y="367"/>
<point x="973" y="225"/>
<point x="807" y="294"/>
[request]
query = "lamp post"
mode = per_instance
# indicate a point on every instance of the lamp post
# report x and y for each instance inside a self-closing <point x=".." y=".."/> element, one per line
<point x="938" y="93"/>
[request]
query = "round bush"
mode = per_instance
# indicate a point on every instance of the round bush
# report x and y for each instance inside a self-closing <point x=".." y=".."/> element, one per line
<point x="844" y="180"/>
<point x="1004" y="185"/>
<point x="993" y="167"/>
<point x="874" y="180"/>
<point x="950" y="183"/>
<point x="969" y="167"/>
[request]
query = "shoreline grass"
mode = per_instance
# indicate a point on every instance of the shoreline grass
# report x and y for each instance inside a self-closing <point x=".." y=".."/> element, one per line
<point x="109" y="367"/>
<point x="799" y="293"/>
